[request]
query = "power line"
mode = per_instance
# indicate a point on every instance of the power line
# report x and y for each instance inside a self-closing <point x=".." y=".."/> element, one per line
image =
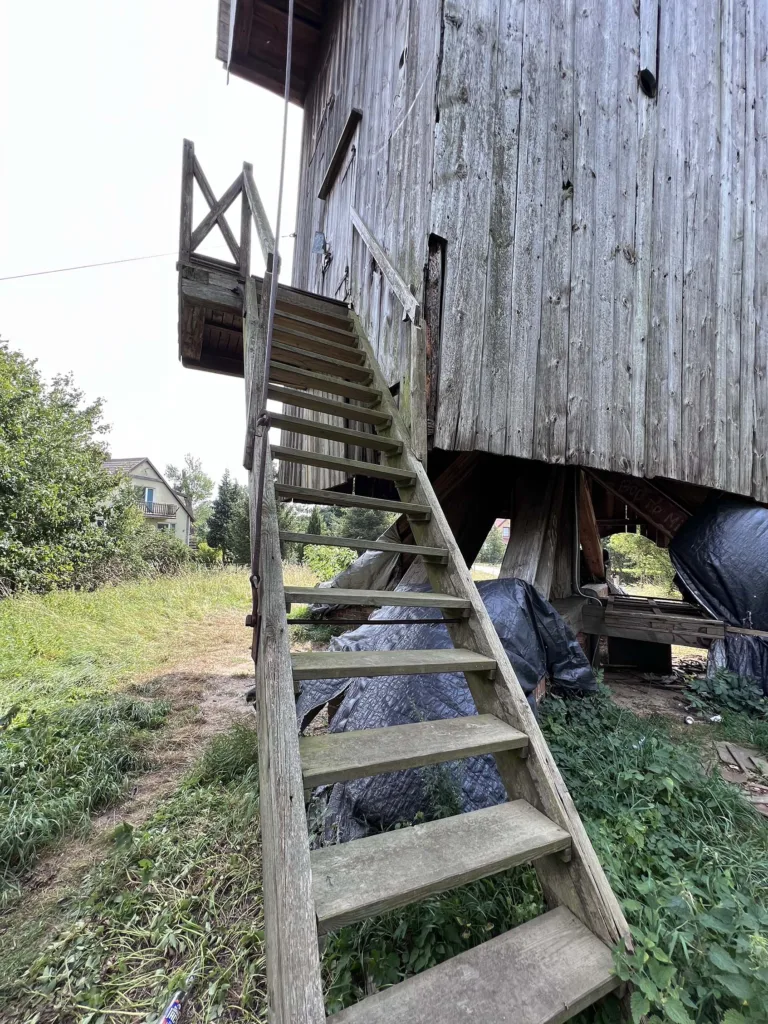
<point x="108" y="263"/>
<point x="88" y="266"/>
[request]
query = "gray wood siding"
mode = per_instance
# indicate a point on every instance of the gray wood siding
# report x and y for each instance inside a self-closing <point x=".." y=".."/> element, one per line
<point x="606" y="299"/>
<point x="606" y="276"/>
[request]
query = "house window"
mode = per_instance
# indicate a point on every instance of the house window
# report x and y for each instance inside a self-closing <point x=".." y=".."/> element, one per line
<point x="149" y="495"/>
<point x="166" y="527"/>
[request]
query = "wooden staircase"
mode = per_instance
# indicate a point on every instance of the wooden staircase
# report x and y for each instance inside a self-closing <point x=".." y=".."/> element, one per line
<point x="542" y="972"/>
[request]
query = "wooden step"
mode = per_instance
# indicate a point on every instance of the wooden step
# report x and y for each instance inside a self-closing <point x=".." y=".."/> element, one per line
<point x="344" y="410"/>
<point x="336" y="757"/>
<point x="429" y="554"/>
<point x="317" y="496"/>
<point x="542" y="972"/>
<point x="324" y="347"/>
<point x="349" y="467"/>
<point x="342" y="335"/>
<point x="283" y="373"/>
<point x="351" y="881"/>
<point x="375" y="598"/>
<point x="332" y="366"/>
<point x="315" y="428"/>
<point x="314" y="307"/>
<point x="366" y="664"/>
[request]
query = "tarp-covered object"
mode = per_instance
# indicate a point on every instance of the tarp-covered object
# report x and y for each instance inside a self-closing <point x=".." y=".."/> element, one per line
<point x="538" y="643"/>
<point x="721" y="557"/>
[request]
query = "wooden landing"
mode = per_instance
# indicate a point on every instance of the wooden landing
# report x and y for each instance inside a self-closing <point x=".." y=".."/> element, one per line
<point x="211" y="294"/>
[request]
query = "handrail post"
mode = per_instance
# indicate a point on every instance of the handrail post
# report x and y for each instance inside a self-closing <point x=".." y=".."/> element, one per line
<point x="245" y="229"/>
<point x="187" y="186"/>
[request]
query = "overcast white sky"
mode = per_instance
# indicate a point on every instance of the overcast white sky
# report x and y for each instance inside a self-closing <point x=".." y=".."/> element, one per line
<point x="95" y="99"/>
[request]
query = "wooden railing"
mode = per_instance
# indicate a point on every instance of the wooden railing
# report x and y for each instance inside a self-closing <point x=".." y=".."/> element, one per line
<point x="157" y="508"/>
<point x="251" y="206"/>
<point x="415" y="394"/>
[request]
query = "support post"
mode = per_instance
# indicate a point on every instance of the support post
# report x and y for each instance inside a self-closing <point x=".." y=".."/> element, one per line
<point x="187" y="187"/>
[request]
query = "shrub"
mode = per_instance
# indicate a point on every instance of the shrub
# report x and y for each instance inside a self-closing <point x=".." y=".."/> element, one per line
<point x="327" y="562"/>
<point x="492" y="551"/>
<point x="206" y="555"/>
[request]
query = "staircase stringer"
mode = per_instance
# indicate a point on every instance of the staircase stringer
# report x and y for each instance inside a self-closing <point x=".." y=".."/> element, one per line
<point x="580" y="884"/>
<point x="294" y="983"/>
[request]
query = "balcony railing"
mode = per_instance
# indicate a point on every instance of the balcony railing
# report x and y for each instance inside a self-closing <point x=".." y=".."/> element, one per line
<point x="156" y="508"/>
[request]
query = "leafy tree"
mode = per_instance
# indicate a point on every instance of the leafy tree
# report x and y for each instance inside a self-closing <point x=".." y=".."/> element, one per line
<point x="367" y="523"/>
<point x="636" y="559"/>
<point x="493" y="549"/>
<point x="315" y="522"/>
<point x="194" y="484"/>
<point x="62" y="515"/>
<point x="239" y="533"/>
<point x="222" y="512"/>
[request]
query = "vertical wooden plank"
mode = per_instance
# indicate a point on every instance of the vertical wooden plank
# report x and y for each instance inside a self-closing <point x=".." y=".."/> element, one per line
<point x="533" y="184"/>
<point x="460" y="209"/>
<point x="731" y="242"/>
<point x="759" y="389"/>
<point x="551" y="398"/>
<point x="187" y="189"/>
<point x="583" y="237"/>
<point x="746" y="460"/>
<point x="625" y="268"/>
<point x="498" y="343"/>
<point x="418" y="393"/>
<point x="647" y="121"/>
<point x="607" y="242"/>
<point x="663" y="418"/>
<point x="245" y="227"/>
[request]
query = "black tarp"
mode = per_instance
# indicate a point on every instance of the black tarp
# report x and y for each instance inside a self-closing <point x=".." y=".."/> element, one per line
<point x="721" y="558"/>
<point x="538" y="643"/>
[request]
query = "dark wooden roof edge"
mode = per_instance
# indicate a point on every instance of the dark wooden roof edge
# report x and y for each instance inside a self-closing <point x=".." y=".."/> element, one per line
<point x="255" y="56"/>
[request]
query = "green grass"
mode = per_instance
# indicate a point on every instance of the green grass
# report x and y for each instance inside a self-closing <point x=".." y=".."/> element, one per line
<point x="60" y="768"/>
<point x="180" y="895"/>
<point x="67" y="645"/>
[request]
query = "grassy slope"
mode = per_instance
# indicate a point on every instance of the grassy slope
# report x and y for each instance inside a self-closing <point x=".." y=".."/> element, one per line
<point x="66" y="645"/>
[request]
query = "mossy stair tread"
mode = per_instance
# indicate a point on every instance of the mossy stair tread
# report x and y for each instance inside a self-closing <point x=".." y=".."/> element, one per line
<point x="312" y="495"/>
<point x="324" y="364"/>
<point x="365" y="877"/>
<point x="314" y="428"/>
<point x="337" y="757"/>
<point x="284" y="373"/>
<point x="343" y="410"/>
<point x="375" y="598"/>
<point x="350" y="467"/>
<point x="542" y="972"/>
<point x="361" y="544"/>
<point x="353" y="664"/>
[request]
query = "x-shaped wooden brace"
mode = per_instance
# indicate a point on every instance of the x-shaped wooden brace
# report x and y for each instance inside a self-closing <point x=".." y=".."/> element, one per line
<point x="218" y="207"/>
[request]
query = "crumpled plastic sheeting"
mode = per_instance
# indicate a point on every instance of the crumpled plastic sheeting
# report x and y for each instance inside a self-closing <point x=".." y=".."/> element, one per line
<point x="537" y="642"/>
<point x="745" y="656"/>
<point x="721" y="555"/>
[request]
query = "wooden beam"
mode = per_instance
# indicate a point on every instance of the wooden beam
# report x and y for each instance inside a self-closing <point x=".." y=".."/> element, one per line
<point x="411" y="308"/>
<point x="354" y="118"/>
<point x="263" y="229"/>
<point x="417" y="393"/>
<point x="589" y="533"/>
<point x="655" y="507"/>
<point x="216" y="216"/>
<point x="245" y="230"/>
<point x="210" y="198"/>
<point x="187" y="189"/>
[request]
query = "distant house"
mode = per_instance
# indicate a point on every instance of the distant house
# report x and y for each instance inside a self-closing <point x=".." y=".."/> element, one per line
<point x="161" y="505"/>
<point x="503" y="525"/>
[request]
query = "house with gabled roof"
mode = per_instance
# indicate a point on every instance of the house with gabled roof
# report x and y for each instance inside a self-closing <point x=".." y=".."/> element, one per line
<point x="168" y="509"/>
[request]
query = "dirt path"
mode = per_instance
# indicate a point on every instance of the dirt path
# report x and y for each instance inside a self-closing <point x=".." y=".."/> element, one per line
<point x="207" y="695"/>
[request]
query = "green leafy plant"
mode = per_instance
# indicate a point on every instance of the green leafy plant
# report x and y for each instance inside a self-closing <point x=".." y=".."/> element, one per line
<point x="327" y="562"/>
<point x="725" y="690"/>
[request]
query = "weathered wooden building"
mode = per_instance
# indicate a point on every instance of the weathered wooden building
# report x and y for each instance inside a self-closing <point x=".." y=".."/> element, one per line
<point x="577" y="196"/>
<point x="529" y="280"/>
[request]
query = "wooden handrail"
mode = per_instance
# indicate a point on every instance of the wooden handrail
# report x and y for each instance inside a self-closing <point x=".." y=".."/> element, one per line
<point x="415" y="406"/>
<point x="251" y="206"/>
<point x="411" y="307"/>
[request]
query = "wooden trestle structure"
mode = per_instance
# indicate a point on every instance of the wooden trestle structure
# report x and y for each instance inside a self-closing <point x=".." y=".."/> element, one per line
<point x="542" y="972"/>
